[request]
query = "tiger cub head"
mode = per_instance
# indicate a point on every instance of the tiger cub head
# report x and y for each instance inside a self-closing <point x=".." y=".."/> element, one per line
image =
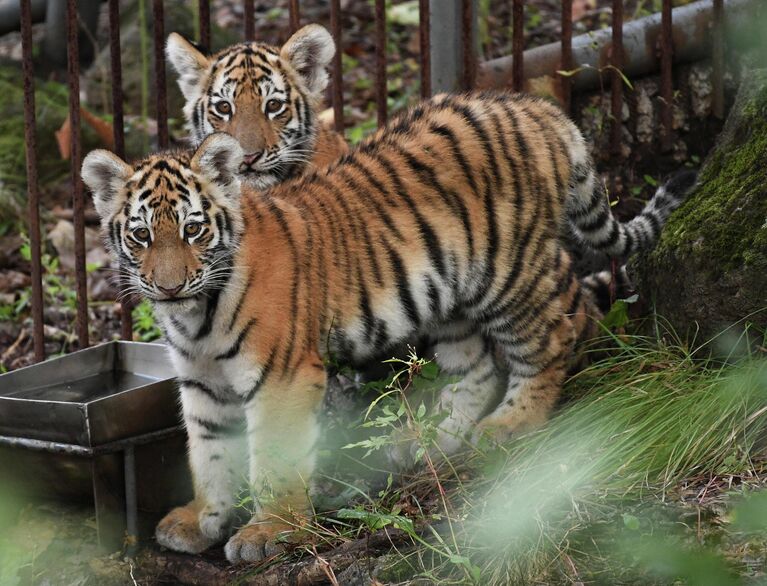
<point x="267" y="98"/>
<point x="172" y="220"/>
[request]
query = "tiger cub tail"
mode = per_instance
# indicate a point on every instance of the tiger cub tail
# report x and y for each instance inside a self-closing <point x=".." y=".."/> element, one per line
<point x="593" y="223"/>
<point x="603" y="288"/>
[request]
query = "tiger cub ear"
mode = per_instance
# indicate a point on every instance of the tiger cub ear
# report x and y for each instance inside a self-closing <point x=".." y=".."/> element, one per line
<point x="218" y="158"/>
<point x="309" y="51"/>
<point x="105" y="175"/>
<point x="189" y="62"/>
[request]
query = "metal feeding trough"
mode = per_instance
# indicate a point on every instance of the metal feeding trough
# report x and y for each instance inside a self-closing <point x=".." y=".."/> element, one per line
<point x="102" y="423"/>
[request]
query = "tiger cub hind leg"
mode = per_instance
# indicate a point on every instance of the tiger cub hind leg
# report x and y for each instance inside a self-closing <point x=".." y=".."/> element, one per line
<point x="465" y="358"/>
<point x="537" y="357"/>
<point x="462" y="352"/>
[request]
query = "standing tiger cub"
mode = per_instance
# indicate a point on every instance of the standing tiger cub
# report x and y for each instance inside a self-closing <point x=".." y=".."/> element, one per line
<point x="445" y="222"/>
<point x="267" y="98"/>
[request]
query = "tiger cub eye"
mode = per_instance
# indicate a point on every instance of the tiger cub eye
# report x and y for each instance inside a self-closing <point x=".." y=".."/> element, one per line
<point x="223" y="107"/>
<point x="192" y="229"/>
<point x="141" y="234"/>
<point x="273" y="106"/>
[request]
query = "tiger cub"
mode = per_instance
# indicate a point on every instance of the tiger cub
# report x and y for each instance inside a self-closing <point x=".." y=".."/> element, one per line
<point x="447" y="220"/>
<point x="267" y="98"/>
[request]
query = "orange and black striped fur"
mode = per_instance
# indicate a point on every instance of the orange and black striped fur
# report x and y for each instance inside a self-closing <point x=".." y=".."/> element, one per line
<point x="447" y="223"/>
<point x="266" y="97"/>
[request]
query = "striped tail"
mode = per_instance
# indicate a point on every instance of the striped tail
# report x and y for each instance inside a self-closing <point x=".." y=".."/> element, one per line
<point x="592" y="221"/>
<point x="599" y="285"/>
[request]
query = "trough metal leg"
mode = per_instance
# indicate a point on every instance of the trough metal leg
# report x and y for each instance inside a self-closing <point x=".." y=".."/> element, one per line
<point x="109" y="499"/>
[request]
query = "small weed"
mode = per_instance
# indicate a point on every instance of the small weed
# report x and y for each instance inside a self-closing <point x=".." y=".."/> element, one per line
<point x="144" y="326"/>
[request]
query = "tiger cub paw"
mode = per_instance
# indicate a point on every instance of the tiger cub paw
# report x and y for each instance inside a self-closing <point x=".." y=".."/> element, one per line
<point x="180" y="531"/>
<point x="499" y="427"/>
<point x="257" y="541"/>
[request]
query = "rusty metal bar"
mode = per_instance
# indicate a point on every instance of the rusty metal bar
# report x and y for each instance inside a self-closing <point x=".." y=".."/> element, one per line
<point x="518" y="46"/>
<point x="250" y="20"/>
<point x="203" y="10"/>
<point x="467" y="43"/>
<point x="718" y="59"/>
<point x="295" y="16"/>
<point x="693" y="41"/>
<point x="118" y="127"/>
<point x="616" y="61"/>
<point x="158" y="22"/>
<point x="381" y="93"/>
<point x="33" y="195"/>
<point x="338" y="88"/>
<point x="666" y="71"/>
<point x="567" y="54"/>
<point x="424" y="36"/>
<point x="73" y="73"/>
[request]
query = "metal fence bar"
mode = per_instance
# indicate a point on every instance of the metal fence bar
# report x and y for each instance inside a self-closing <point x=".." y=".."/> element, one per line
<point x="33" y="194"/>
<point x="73" y="73"/>
<point x="666" y="71"/>
<point x="518" y="46"/>
<point x="567" y="54"/>
<point x="718" y="59"/>
<point x="295" y="16"/>
<point x="158" y="23"/>
<point x="203" y="11"/>
<point x="424" y="37"/>
<point x="381" y="93"/>
<point x="616" y="61"/>
<point x="467" y="44"/>
<point x="250" y="20"/>
<point x="338" y="88"/>
<point x="118" y="128"/>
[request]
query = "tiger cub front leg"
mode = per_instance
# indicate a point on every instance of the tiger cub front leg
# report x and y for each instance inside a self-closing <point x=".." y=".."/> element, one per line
<point x="215" y="430"/>
<point x="283" y="430"/>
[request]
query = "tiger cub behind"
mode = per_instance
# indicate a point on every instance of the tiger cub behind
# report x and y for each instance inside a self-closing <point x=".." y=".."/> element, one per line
<point x="266" y="97"/>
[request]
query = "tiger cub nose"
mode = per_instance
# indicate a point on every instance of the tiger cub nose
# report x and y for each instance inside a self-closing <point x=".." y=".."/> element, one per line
<point x="251" y="158"/>
<point x="170" y="292"/>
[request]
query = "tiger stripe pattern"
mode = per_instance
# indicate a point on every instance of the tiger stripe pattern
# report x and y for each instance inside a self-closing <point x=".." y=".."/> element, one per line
<point x="451" y="215"/>
<point x="266" y="97"/>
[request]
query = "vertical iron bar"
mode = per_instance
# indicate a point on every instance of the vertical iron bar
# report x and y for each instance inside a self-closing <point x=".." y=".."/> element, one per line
<point x="467" y="42"/>
<point x="203" y="9"/>
<point x="295" y="16"/>
<point x="718" y="59"/>
<point x="381" y="93"/>
<point x="33" y="195"/>
<point x="666" y="81"/>
<point x="518" y="46"/>
<point x="338" y="88"/>
<point x="158" y="22"/>
<point x="250" y="20"/>
<point x="424" y="29"/>
<point x="567" y="54"/>
<point x="616" y="61"/>
<point x="126" y="320"/>
<point x="73" y="73"/>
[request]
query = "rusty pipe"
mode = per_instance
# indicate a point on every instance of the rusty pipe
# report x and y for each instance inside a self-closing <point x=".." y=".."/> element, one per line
<point x="692" y="26"/>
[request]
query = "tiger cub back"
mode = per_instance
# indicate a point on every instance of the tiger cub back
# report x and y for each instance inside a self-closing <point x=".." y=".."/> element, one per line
<point x="266" y="97"/>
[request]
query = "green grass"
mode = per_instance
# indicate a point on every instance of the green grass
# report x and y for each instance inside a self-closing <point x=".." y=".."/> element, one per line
<point x="595" y="494"/>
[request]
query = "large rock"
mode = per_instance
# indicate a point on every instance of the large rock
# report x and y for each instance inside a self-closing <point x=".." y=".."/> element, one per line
<point x="709" y="269"/>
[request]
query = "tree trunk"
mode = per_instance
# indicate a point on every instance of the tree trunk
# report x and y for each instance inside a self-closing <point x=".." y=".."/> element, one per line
<point x="709" y="270"/>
